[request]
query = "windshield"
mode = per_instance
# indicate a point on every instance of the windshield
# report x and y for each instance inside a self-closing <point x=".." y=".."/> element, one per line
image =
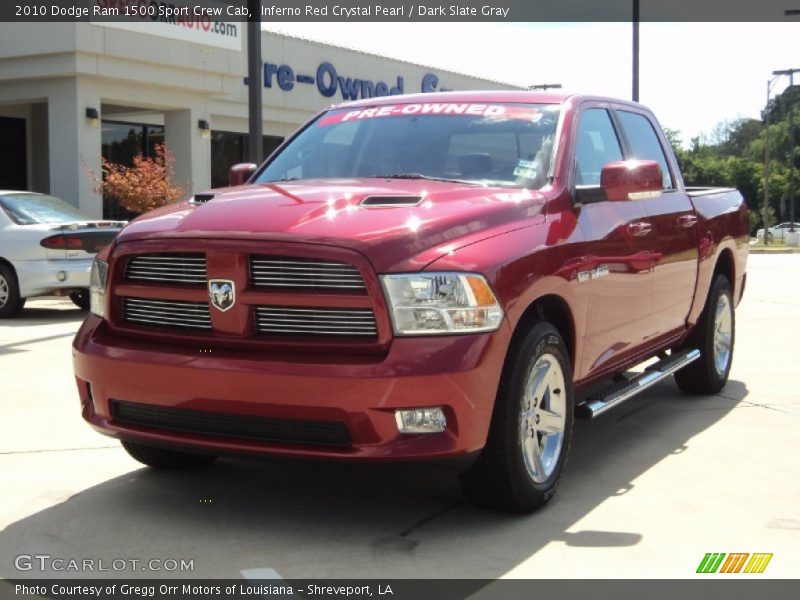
<point x="479" y="144"/>
<point x="30" y="209"/>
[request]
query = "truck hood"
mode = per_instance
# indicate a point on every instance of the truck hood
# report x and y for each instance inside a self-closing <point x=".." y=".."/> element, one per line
<point x="331" y="212"/>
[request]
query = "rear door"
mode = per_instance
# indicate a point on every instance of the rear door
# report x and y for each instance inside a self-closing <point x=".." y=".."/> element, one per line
<point x="674" y="243"/>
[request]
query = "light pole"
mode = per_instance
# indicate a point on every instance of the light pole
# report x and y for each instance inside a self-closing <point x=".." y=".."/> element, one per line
<point x="255" y="145"/>
<point x="545" y="86"/>
<point x="765" y="217"/>
<point x="635" y="78"/>
<point x="790" y="73"/>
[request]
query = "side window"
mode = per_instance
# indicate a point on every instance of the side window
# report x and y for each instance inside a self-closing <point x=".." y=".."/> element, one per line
<point x="597" y="144"/>
<point x="644" y="142"/>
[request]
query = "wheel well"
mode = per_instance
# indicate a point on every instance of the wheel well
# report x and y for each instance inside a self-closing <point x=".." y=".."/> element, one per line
<point x="725" y="266"/>
<point x="555" y="311"/>
<point x="5" y="263"/>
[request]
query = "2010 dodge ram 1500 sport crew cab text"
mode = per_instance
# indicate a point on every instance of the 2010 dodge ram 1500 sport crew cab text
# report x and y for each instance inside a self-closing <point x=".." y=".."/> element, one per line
<point x="436" y="276"/>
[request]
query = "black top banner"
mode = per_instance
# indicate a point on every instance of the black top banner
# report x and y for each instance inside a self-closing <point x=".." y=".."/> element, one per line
<point x="400" y="10"/>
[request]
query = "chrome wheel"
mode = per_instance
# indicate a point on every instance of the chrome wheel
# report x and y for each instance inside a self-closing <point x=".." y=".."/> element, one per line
<point x="723" y="334"/>
<point x="4" y="291"/>
<point x="542" y="419"/>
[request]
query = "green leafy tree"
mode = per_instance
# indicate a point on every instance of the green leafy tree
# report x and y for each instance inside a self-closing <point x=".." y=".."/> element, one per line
<point x="733" y="155"/>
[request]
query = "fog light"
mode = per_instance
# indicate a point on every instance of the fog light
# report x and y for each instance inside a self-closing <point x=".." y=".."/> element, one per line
<point x="61" y="276"/>
<point x="420" y="420"/>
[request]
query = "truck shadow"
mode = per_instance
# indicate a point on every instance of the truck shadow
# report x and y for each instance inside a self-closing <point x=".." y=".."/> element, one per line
<point x="338" y="520"/>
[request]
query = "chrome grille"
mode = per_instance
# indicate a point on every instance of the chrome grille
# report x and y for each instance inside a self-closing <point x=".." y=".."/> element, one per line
<point x="280" y="320"/>
<point x="285" y="272"/>
<point x="167" y="313"/>
<point x="168" y="268"/>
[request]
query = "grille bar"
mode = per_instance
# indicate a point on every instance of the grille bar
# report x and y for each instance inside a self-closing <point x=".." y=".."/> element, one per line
<point x="283" y="272"/>
<point x="187" y="268"/>
<point x="167" y="313"/>
<point x="323" y="321"/>
<point x="243" y="427"/>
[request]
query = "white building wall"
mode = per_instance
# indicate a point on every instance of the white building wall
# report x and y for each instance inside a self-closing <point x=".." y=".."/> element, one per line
<point x="52" y="72"/>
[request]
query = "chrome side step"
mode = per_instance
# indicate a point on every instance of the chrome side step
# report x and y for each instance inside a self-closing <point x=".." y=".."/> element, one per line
<point x="619" y="392"/>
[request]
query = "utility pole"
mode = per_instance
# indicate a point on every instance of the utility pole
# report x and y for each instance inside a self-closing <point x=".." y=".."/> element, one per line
<point x="255" y="143"/>
<point x="792" y="172"/>
<point x="790" y="73"/>
<point x="635" y="78"/>
<point x="765" y="217"/>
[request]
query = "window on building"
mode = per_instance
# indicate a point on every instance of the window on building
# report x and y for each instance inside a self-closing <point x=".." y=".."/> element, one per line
<point x="13" y="167"/>
<point x="230" y="148"/>
<point x="120" y="143"/>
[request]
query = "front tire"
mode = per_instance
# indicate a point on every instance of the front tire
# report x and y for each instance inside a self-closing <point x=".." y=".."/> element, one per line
<point x="10" y="301"/>
<point x="162" y="458"/>
<point x="714" y="336"/>
<point x="529" y="437"/>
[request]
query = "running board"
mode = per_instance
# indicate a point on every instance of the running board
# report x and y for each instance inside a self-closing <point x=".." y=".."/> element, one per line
<point x="619" y="392"/>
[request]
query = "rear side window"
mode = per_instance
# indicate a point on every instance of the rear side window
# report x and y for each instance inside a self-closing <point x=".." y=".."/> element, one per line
<point x="644" y="142"/>
<point x="597" y="145"/>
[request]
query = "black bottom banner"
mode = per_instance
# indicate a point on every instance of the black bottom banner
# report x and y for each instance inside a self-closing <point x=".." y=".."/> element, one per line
<point x="398" y="589"/>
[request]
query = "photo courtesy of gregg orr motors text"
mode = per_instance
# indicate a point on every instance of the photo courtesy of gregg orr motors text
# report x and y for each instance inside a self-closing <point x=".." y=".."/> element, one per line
<point x="49" y="563"/>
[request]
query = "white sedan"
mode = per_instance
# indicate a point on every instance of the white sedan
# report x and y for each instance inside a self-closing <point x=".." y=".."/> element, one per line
<point x="778" y="232"/>
<point x="46" y="247"/>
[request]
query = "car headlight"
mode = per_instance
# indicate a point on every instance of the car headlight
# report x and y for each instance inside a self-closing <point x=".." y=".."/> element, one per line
<point x="97" y="287"/>
<point x="441" y="303"/>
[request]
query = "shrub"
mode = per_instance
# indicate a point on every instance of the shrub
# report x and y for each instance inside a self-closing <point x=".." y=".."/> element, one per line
<point x="146" y="185"/>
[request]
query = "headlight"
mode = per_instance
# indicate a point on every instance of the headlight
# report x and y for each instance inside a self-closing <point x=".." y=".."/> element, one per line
<point x="441" y="303"/>
<point x="97" y="287"/>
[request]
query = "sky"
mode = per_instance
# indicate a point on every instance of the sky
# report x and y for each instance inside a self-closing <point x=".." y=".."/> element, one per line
<point x="692" y="75"/>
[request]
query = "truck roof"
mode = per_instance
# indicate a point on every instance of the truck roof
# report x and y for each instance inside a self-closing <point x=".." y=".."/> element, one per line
<point x="463" y="96"/>
<point x="525" y="96"/>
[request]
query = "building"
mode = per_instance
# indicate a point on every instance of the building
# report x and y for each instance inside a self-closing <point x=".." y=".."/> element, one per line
<point x="73" y="92"/>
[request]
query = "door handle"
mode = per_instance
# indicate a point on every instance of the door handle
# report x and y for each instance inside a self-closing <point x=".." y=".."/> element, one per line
<point x="687" y="221"/>
<point x="640" y="228"/>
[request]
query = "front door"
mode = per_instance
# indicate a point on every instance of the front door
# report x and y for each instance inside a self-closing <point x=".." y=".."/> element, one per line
<point x="617" y="258"/>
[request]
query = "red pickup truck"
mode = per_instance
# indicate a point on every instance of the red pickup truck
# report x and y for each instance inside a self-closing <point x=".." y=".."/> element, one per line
<point x="447" y="276"/>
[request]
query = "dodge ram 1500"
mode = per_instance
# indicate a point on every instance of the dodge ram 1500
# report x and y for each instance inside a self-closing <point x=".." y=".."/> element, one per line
<point x="439" y="276"/>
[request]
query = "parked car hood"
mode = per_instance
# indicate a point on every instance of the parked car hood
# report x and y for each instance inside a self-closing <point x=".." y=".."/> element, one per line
<point x="445" y="217"/>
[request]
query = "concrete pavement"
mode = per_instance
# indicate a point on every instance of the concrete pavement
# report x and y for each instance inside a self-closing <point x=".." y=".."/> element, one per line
<point x="649" y="489"/>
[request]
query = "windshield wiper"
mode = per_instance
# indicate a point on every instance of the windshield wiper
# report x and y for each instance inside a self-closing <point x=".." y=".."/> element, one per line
<point x="428" y="178"/>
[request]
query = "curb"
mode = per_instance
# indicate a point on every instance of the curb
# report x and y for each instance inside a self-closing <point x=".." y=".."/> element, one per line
<point x="782" y="251"/>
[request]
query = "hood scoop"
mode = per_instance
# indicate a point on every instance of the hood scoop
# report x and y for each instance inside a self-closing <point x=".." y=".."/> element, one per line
<point x="201" y="198"/>
<point x="387" y="201"/>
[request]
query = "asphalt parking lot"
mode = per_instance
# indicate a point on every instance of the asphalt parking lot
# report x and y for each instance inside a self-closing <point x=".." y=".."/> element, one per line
<point x="650" y="487"/>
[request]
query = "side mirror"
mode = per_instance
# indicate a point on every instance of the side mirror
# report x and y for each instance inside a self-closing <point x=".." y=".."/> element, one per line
<point x="239" y="174"/>
<point x="631" y="180"/>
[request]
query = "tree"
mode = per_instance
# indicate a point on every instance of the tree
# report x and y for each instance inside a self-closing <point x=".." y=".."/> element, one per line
<point x="733" y="155"/>
<point x="148" y="184"/>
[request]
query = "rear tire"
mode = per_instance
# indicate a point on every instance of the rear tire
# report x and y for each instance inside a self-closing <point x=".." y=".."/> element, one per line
<point x="714" y="336"/>
<point x="529" y="437"/>
<point x="10" y="301"/>
<point x="80" y="298"/>
<point x="162" y="458"/>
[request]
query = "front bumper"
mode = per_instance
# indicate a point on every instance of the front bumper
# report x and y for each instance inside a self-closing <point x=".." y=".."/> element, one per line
<point x="458" y="373"/>
<point x="40" y="277"/>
